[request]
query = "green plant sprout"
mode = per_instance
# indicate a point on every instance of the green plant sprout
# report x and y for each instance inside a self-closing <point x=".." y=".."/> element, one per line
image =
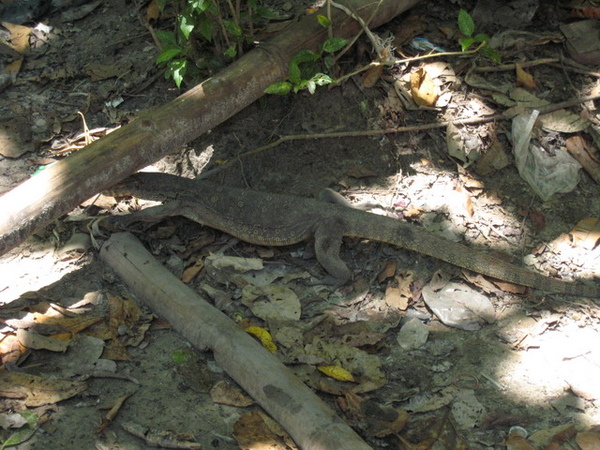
<point x="307" y="68"/>
<point x="466" y="26"/>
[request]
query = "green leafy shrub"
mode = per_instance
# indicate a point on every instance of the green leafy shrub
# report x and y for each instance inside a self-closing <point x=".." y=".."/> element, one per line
<point x="309" y="69"/>
<point x="207" y="35"/>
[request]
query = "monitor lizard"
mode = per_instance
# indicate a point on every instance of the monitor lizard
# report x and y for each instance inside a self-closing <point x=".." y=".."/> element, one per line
<point x="273" y="219"/>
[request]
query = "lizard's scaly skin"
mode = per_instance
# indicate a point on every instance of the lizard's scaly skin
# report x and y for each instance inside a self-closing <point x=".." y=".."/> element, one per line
<point x="273" y="219"/>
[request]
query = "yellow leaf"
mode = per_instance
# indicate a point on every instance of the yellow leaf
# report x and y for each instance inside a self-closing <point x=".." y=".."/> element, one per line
<point x="264" y="337"/>
<point x="525" y="79"/>
<point x="337" y="373"/>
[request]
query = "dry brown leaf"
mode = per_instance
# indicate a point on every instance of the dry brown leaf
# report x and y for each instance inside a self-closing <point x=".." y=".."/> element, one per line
<point x="37" y="391"/>
<point x="123" y="314"/>
<point x="467" y="200"/>
<point x="388" y="271"/>
<point x="395" y="299"/>
<point x="19" y="37"/>
<point x="516" y="442"/>
<point x="388" y="421"/>
<point x="525" y="79"/>
<point x="564" y="435"/>
<point x="588" y="440"/>
<point x="423" y="89"/>
<point x="112" y="412"/>
<point x="11" y="348"/>
<point x="360" y="172"/>
<point x="412" y="211"/>
<point x="586" y="234"/>
<point x="577" y="145"/>
<point x="161" y="438"/>
<point x="227" y="393"/>
<point x="31" y="339"/>
<point x="588" y="12"/>
<point x="192" y="272"/>
<point x="372" y="76"/>
<point x="13" y="68"/>
<point x="252" y="428"/>
<point x="153" y="11"/>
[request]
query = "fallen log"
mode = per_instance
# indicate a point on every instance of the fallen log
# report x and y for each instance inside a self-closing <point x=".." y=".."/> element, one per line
<point x="155" y="133"/>
<point x="309" y="421"/>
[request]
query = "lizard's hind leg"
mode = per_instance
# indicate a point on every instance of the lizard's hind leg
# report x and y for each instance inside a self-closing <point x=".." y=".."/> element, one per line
<point x="328" y="240"/>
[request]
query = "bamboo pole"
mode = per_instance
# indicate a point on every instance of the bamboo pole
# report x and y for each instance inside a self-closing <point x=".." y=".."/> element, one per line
<point x="158" y="132"/>
<point x="309" y="421"/>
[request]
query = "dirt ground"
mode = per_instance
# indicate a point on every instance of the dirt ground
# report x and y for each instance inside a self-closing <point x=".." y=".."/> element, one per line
<point x="534" y="363"/>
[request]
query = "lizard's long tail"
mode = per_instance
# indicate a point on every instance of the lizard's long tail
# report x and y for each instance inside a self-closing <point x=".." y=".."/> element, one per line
<point x="422" y="241"/>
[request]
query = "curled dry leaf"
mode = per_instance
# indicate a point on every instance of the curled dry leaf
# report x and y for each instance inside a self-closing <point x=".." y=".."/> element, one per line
<point x="423" y="89"/>
<point x="372" y="76"/>
<point x="524" y="78"/>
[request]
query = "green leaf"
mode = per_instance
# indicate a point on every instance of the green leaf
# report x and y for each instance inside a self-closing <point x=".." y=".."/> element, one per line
<point x="466" y="25"/>
<point x="205" y="26"/>
<point x="300" y="85"/>
<point x="23" y="433"/>
<point x="323" y="20"/>
<point x="281" y="88"/>
<point x="265" y="13"/>
<point x="232" y="28"/>
<point x="465" y="43"/>
<point x="482" y="37"/>
<point x="321" y="79"/>
<point x="332" y="45"/>
<point x="186" y="26"/>
<point x="180" y="356"/>
<point x="311" y="86"/>
<point x="161" y="4"/>
<point x="231" y="51"/>
<point x="166" y="38"/>
<point x="328" y="61"/>
<point x="304" y="56"/>
<point x="295" y="74"/>
<point x="168" y="54"/>
<point x="178" y="68"/>
<point x="490" y="53"/>
<point x="199" y="6"/>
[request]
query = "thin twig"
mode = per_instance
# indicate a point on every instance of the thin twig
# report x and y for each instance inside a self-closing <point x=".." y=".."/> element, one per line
<point x="428" y="126"/>
<point x="505" y="67"/>
<point x="401" y="61"/>
<point x="375" y="40"/>
<point x="330" y="27"/>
